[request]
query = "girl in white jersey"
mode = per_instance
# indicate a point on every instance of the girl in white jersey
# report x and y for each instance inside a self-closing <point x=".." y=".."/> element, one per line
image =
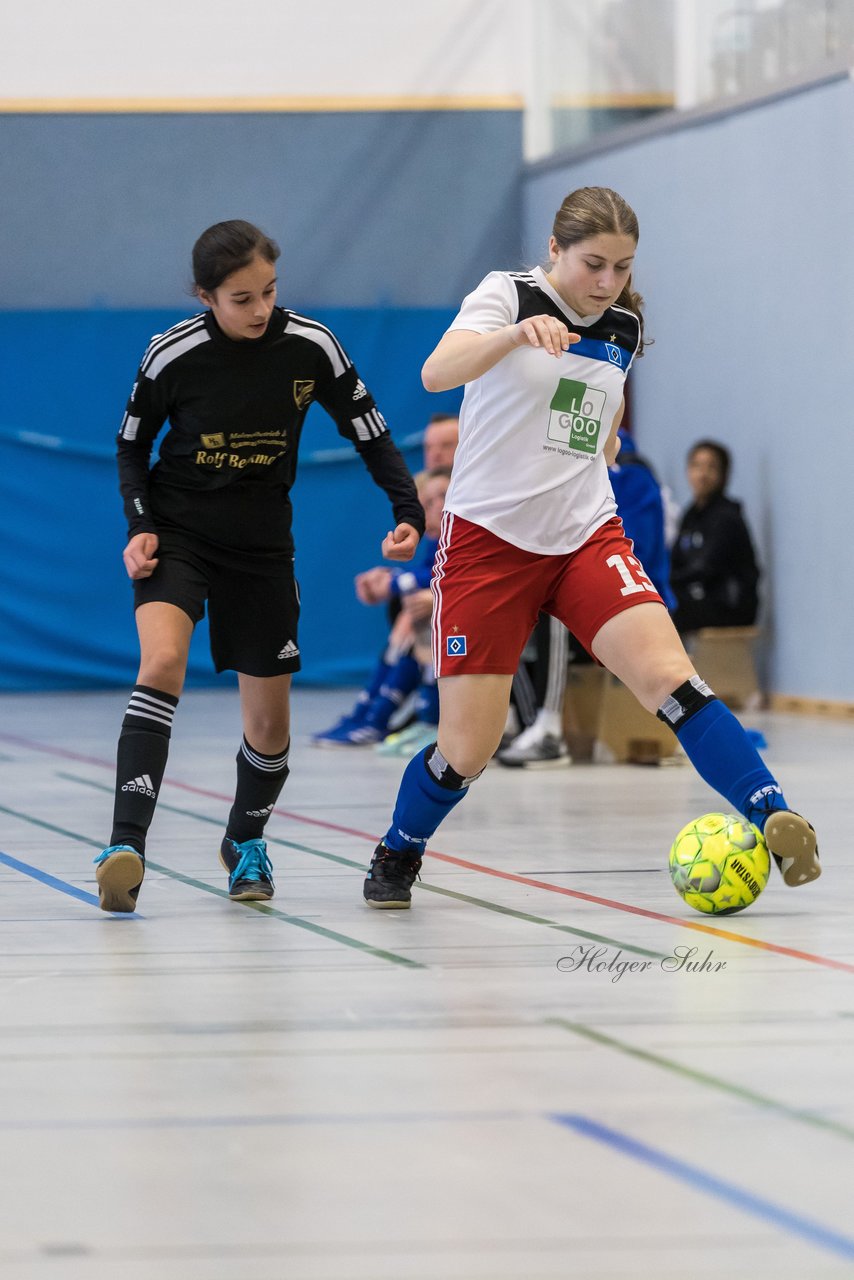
<point x="531" y="525"/>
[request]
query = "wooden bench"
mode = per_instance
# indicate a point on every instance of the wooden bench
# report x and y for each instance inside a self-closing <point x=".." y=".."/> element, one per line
<point x="600" y="710"/>
<point x="724" y="657"/>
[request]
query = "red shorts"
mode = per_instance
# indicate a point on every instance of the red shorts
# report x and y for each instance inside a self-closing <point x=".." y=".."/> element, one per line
<point x="487" y="593"/>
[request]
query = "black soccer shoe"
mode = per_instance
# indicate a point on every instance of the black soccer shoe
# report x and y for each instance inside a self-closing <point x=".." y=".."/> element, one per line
<point x="390" y="878"/>
<point x="791" y="842"/>
<point x="250" y="871"/>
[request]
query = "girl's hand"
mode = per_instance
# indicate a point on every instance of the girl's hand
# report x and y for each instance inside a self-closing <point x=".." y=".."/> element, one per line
<point x="418" y="605"/>
<point x="139" y="555"/>
<point x="400" y="543"/>
<point x="543" y="331"/>
<point x="373" y="586"/>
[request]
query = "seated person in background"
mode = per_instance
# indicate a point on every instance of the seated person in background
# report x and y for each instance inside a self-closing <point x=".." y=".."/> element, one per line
<point x="439" y="445"/>
<point x="417" y="608"/>
<point x="403" y="665"/>
<point x="441" y="438"/>
<point x="640" y="503"/>
<point x="713" y="569"/>
<point x="538" y="694"/>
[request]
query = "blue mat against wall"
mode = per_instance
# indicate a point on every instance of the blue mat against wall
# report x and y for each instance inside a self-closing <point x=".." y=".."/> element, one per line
<point x="65" y="601"/>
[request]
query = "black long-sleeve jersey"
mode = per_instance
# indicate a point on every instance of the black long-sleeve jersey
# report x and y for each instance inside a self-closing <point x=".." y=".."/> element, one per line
<point x="236" y="411"/>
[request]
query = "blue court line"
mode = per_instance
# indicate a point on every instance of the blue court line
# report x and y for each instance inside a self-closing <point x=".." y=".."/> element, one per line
<point x="35" y="873"/>
<point x="262" y="908"/>
<point x="737" y="1196"/>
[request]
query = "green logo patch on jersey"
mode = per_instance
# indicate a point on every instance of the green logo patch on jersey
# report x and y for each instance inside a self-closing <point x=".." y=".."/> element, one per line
<point x="575" y="417"/>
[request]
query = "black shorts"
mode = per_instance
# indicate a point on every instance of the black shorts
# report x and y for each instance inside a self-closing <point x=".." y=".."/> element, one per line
<point x="252" y="602"/>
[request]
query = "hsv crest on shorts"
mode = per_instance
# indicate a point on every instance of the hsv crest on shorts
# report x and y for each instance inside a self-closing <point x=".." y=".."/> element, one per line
<point x="455" y="646"/>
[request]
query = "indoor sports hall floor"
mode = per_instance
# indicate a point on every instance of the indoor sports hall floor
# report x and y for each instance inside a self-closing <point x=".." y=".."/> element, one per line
<point x="320" y="1091"/>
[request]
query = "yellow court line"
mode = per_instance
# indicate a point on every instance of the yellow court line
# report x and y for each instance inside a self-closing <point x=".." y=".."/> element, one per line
<point x="613" y="100"/>
<point x="261" y="105"/>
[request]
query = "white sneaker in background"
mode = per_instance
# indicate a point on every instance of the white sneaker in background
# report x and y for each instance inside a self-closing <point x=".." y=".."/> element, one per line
<point x="512" y="727"/>
<point x="534" y="747"/>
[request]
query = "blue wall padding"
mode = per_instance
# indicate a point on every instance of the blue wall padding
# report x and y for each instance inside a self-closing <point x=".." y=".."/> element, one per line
<point x="65" y="601"/>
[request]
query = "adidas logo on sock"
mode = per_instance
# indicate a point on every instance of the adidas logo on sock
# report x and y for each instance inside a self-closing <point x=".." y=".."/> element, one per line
<point x="289" y="651"/>
<point x="260" y="813"/>
<point x="144" y="785"/>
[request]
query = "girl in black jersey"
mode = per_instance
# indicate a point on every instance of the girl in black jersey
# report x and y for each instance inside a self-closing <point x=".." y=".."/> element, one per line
<point x="210" y="523"/>
<point x="531" y="525"/>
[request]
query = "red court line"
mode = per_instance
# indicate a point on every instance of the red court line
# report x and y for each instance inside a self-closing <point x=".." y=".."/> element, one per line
<point x="611" y="903"/>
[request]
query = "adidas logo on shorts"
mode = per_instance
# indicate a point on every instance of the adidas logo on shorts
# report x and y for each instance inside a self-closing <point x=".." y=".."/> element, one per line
<point x="289" y="651"/>
<point x="143" y="785"/>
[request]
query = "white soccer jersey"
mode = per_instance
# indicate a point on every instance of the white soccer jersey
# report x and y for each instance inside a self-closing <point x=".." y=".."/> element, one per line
<point x="530" y="466"/>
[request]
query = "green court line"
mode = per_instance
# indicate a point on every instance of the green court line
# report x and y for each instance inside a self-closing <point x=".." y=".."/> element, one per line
<point x="549" y="924"/>
<point x="430" y="888"/>
<point x="260" y="907"/>
<point x="702" y="1077"/>
<point x="265" y="910"/>
<point x="50" y="826"/>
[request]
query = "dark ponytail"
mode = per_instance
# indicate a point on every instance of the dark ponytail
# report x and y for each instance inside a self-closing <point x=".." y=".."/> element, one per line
<point x="227" y="247"/>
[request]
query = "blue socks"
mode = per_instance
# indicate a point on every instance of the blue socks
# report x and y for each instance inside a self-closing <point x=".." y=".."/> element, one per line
<point x="712" y="737"/>
<point x="427" y="705"/>
<point x="423" y="801"/>
<point x="397" y="684"/>
<point x="725" y="758"/>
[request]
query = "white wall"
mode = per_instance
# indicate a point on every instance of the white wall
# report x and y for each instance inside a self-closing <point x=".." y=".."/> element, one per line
<point x="216" y="48"/>
<point x="747" y="265"/>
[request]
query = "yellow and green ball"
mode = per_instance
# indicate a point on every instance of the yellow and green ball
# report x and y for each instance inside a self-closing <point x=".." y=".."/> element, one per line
<point x="719" y="863"/>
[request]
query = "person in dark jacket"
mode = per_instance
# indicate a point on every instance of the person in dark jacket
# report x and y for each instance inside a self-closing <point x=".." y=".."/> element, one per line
<point x="713" y="569"/>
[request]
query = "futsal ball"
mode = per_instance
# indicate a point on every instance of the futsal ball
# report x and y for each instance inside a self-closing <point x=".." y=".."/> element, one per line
<point x="719" y="863"/>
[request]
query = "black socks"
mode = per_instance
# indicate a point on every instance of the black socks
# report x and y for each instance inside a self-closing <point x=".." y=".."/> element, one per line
<point x="140" y="764"/>
<point x="260" y="778"/>
<point x="141" y="761"/>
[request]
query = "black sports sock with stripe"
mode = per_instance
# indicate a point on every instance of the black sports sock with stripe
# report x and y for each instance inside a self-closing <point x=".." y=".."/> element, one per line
<point x="260" y="778"/>
<point x="140" y="763"/>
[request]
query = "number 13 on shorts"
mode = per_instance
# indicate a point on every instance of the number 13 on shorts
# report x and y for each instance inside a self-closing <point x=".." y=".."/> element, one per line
<point x="632" y="573"/>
